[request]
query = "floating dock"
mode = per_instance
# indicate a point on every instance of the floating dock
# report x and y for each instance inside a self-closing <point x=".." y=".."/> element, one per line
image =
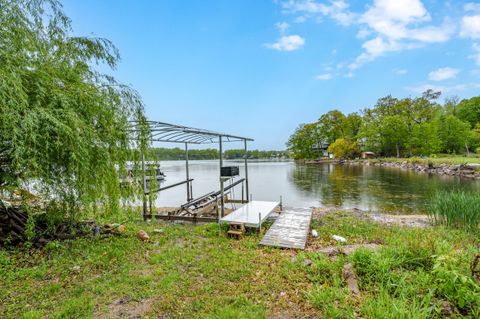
<point x="252" y="214"/>
<point x="290" y="230"/>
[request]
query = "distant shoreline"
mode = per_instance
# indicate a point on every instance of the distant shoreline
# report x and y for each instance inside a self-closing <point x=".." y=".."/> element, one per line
<point x="437" y="166"/>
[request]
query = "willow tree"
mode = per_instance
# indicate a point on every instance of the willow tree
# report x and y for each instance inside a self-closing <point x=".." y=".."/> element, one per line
<point x="63" y="124"/>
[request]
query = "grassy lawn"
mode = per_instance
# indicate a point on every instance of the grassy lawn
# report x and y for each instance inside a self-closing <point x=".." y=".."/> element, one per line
<point x="440" y="159"/>
<point x="196" y="272"/>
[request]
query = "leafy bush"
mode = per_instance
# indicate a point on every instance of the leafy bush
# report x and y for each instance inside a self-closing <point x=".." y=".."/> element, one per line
<point x="343" y="148"/>
<point x="455" y="286"/>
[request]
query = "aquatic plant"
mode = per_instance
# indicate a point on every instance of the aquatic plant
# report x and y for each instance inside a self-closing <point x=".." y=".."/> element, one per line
<point x="456" y="209"/>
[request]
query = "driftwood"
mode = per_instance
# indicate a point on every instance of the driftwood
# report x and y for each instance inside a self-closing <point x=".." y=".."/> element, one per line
<point x="475" y="267"/>
<point x="350" y="277"/>
<point x="14" y="224"/>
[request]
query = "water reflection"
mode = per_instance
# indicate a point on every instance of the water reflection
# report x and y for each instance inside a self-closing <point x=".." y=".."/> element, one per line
<point x="373" y="188"/>
<point x="363" y="187"/>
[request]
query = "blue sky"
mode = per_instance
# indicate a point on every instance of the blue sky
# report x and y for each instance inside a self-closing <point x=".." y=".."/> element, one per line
<point x="258" y="68"/>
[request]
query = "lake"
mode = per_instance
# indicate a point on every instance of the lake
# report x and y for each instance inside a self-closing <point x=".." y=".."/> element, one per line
<point x="321" y="185"/>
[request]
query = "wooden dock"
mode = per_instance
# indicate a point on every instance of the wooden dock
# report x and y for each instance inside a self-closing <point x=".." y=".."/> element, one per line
<point x="290" y="230"/>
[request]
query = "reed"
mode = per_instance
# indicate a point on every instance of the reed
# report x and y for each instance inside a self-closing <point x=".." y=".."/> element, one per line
<point x="457" y="209"/>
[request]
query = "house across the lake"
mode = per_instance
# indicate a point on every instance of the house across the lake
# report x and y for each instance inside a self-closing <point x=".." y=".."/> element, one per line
<point x="366" y="155"/>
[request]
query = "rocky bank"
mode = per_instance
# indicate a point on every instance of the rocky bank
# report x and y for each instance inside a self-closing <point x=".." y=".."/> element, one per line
<point x="471" y="171"/>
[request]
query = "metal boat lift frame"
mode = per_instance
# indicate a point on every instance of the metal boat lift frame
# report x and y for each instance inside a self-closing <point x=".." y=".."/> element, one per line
<point x="172" y="133"/>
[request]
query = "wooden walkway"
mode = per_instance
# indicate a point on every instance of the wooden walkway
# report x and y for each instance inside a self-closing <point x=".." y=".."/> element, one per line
<point x="290" y="230"/>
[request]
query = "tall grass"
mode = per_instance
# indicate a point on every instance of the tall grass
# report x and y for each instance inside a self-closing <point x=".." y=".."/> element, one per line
<point x="456" y="209"/>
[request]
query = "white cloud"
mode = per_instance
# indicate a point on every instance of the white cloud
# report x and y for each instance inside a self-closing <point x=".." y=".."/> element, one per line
<point x="300" y="19"/>
<point x="282" y="27"/>
<point x="324" y="77"/>
<point x="470" y="27"/>
<point x="374" y="48"/>
<point x="400" y="71"/>
<point x="444" y="89"/>
<point x="363" y="33"/>
<point x="471" y="6"/>
<point x="287" y="43"/>
<point x="443" y="74"/>
<point x="396" y="26"/>
<point x="476" y="55"/>
<point x="336" y="9"/>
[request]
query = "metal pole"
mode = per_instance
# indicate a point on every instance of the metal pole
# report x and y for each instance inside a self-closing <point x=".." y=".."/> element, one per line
<point x="221" y="181"/>
<point x="259" y="223"/>
<point x="189" y="195"/>
<point x="243" y="193"/>
<point x="221" y="151"/>
<point x="246" y="168"/>
<point x="144" y="184"/>
<point x="222" y="194"/>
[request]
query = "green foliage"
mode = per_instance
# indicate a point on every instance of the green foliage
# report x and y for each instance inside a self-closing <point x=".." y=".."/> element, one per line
<point x="63" y="124"/>
<point x="410" y="276"/>
<point x="343" y="148"/>
<point x="211" y="154"/>
<point x="396" y="127"/>
<point x="302" y="143"/>
<point x="455" y="286"/>
<point x="456" y="209"/>
<point x="255" y="154"/>
<point x="309" y="139"/>
<point x="425" y="139"/>
<point x="331" y="126"/>
<point x="179" y="154"/>
<point x="454" y="134"/>
<point x="468" y="110"/>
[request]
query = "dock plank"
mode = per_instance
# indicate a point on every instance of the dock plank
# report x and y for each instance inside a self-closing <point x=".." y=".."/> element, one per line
<point x="290" y="230"/>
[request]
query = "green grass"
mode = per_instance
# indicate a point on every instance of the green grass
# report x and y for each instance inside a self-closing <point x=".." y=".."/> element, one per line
<point x="456" y="209"/>
<point x="436" y="160"/>
<point x="196" y="272"/>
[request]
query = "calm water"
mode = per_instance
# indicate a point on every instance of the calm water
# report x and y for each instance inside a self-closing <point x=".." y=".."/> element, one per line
<point x="325" y="185"/>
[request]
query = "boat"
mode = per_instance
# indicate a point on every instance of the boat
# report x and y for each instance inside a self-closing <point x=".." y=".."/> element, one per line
<point x="154" y="168"/>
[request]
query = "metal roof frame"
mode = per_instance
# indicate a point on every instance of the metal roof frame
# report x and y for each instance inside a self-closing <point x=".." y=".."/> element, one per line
<point x="173" y="133"/>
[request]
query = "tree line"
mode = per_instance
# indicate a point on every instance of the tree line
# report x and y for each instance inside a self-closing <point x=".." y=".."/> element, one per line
<point x="211" y="154"/>
<point x="419" y="126"/>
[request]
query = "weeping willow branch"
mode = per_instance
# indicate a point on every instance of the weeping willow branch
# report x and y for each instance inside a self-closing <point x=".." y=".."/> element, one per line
<point x="63" y="124"/>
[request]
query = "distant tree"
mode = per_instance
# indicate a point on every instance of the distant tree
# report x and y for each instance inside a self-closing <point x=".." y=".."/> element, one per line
<point x="303" y="141"/>
<point x="451" y="104"/>
<point x="343" y="148"/>
<point x="455" y="134"/>
<point x="393" y="134"/>
<point x="389" y="125"/>
<point x="468" y="110"/>
<point x="352" y="124"/>
<point x="425" y="139"/>
<point x="331" y="126"/>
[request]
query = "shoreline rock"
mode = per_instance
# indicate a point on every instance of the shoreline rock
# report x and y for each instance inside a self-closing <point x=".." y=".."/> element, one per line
<point x="463" y="170"/>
